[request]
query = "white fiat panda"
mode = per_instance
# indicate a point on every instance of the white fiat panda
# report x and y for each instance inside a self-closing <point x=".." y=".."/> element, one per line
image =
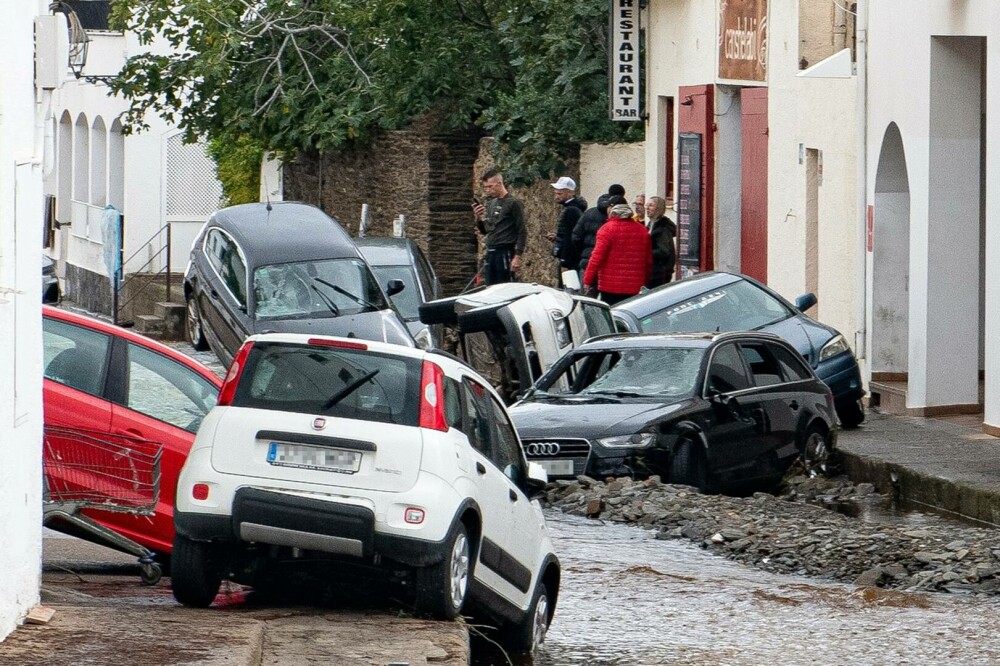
<point x="377" y="454"/>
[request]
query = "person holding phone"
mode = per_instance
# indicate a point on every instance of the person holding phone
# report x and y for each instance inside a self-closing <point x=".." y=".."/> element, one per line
<point x="501" y="221"/>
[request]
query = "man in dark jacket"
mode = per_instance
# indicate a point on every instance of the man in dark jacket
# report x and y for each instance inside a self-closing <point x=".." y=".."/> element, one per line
<point x="572" y="208"/>
<point x="662" y="232"/>
<point x="585" y="231"/>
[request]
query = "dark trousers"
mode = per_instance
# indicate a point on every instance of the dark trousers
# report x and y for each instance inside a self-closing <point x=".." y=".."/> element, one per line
<point x="498" y="264"/>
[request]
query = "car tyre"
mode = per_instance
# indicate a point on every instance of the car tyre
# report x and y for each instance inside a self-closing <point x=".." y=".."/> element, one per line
<point x="443" y="587"/>
<point x="526" y="636"/>
<point x="480" y="319"/>
<point x="816" y="452"/>
<point x="688" y="466"/>
<point x="195" y="334"/>
<point x="852" y="414"/>
<point x="195" y="573"/>
<point x="438" y="312"/>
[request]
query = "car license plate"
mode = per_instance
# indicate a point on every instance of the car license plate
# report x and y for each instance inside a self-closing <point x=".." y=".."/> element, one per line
<point x="314" y="457"/>
<point x="556" y="467"/>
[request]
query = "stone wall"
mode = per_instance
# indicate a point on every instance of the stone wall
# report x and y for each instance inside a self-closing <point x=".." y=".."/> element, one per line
<point x="421" y="173"/>
<point x="429" y="176"/>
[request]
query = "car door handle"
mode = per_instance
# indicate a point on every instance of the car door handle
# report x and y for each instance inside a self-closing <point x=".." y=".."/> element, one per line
<point x="214" y="294"/>
<point x="794" y="404"/>
<point x="512" y="495"/>
<point x="129" y="432"/>
<point x="481" y="468"/>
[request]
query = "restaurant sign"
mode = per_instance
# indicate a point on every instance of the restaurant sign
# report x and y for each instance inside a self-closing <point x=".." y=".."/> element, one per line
<point x="624" y="57"/>
<point x="743" y="40"/>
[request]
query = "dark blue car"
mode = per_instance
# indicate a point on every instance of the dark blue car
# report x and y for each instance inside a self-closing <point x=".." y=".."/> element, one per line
<point x="719" y="302"/>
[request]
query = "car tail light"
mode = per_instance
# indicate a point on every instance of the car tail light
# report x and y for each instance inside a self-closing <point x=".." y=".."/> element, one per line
<point x="413" y="515"/>
<point x="228" y="389"/>
<point x="432" y="397"/>
<point x="199" y="491"/>
<point x="343" y="344"/>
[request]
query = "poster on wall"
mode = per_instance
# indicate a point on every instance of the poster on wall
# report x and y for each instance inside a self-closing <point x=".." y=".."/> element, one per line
<point x="623" y="76"/>
<point x="689" y="204"/>
<point x="743" y="40"/>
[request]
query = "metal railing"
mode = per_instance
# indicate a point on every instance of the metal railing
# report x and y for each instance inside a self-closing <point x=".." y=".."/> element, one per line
<point x="139" y="276"/>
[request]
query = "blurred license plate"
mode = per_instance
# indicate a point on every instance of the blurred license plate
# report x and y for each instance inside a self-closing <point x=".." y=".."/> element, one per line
<point x="314" y="457"/>
<point x="556" y="467"/>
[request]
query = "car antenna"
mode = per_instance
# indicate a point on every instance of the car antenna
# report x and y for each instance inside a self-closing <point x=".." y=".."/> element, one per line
<point x="267" y="195"/>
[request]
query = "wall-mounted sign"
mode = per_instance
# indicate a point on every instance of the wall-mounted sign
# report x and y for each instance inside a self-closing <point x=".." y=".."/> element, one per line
<point x="689" y="203"/>
<point x="624" y="69"/>
<point x="743" y="40"/>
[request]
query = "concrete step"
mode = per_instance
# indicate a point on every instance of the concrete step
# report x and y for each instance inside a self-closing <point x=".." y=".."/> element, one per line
<point x="152" y="326"/>
<point x="888" y="396"/>
<point x="173" y="319"/>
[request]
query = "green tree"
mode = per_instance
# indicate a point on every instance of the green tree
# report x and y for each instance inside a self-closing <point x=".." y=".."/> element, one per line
<point x="298" y="74"/>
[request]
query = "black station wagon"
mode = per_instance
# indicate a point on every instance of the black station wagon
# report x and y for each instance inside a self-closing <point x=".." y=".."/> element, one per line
<point x="729" y="411"/>
<point x="282" y="268"/>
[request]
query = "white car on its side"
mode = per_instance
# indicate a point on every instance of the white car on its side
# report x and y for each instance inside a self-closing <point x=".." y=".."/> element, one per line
<point x="325" y="448"/>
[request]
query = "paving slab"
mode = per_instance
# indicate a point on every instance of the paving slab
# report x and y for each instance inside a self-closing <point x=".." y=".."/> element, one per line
<point x="933" y="463"/>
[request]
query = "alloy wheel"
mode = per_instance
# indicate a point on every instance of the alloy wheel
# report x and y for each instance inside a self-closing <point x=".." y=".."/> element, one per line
<point x="540" y="623"/>
<point x="816" y="454"/>
<point x="459" y="578"/>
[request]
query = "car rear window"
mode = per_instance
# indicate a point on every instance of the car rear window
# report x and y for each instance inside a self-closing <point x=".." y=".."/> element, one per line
<point x="740" y="306"/>
<point x="332" y="381"/>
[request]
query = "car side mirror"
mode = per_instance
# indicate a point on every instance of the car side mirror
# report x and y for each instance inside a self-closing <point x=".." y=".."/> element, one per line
<point x="394" y="286"/>
<point x="536" y="481"/>
<point x="805" y="301"/>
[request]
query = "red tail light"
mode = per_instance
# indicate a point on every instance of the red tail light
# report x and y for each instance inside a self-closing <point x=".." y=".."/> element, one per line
<point x="432" y="397"/>
<point x="343" y="344"/>
<point x="228" y="389"/>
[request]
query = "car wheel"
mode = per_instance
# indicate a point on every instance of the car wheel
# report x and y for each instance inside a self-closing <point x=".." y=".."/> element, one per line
<point x="195" y="573"/>
<point x="480" y="319"/>
<point x="852" y="414"/>
<point x="688" y="466"/>
<point x="816" y="452"/>
<point x="195" y="335"/>
<point x="442" y="587"/>
<point x="438" y="312"/>
<point x="526" y="636"/>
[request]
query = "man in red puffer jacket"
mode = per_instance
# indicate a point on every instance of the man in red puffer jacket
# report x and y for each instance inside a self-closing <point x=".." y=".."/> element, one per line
<point x="622" y="260"/>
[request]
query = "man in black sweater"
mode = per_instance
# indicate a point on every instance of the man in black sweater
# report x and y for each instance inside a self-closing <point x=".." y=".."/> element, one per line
<point x="501" y="220"/>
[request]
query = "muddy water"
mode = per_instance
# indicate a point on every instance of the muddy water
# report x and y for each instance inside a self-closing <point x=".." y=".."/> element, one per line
<point x="630" y="599"/>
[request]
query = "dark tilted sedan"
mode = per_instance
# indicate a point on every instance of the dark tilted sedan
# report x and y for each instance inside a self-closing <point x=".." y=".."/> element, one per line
<point x="719" y="411"/>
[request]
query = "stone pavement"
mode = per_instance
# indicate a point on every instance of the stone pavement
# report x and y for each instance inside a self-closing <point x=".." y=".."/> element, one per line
<point x="104" y="615"/>
<point x="947" y="464"/>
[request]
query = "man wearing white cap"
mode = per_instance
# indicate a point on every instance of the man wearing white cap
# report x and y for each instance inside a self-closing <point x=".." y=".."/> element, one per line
<point x="572" y="208"/>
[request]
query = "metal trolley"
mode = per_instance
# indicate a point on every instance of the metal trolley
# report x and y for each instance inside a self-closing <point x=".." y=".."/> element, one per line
<point x="85" y="469"/>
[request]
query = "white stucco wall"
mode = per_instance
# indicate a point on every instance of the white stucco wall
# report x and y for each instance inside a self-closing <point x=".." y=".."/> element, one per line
<point x="901" y="81"/>
<point x="819" y="114"/>
<point x="145" y="159"/>
<point x="603" y="164"/>
<point x="20" y="319"/>
<point x="681" y="50"/>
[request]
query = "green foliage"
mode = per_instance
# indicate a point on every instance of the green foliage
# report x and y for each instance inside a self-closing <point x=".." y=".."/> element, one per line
<point x="237" y="165"/>
<point x="298" y="74"/>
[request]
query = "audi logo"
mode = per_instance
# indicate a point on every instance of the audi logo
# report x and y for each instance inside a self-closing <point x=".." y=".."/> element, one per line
<point x="542" y="449"/>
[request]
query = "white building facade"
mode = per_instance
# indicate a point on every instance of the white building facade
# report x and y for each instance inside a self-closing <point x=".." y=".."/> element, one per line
<point x="155" y="179"/>
<point x="933" y="255"/>
<point x="753" y="136"/>
<point x="21" y="212"/>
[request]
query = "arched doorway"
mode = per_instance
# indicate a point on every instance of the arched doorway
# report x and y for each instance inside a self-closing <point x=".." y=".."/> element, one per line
<point x="891" y="262"/>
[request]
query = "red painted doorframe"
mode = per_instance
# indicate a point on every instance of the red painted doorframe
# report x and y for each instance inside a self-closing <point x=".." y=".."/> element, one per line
<point x="753" y="167"/>
<point x="696" y="113"/>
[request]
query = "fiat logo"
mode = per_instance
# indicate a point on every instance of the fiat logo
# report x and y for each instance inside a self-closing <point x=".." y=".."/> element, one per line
<point x="319" y="423"/>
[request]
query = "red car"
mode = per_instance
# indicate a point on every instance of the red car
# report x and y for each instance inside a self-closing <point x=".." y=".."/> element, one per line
<point x="108" y="380"/>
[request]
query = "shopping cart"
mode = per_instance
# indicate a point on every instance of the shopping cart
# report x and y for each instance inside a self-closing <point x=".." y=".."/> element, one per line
<point x="96" y="470"/>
